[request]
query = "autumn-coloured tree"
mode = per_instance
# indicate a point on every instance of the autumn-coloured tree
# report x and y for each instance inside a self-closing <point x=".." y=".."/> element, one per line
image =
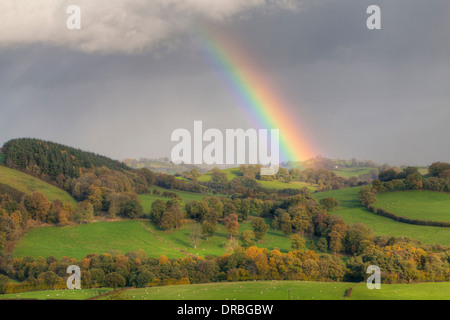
<point x="115" y="279"/>
<point x="247" y="238"/>
<point x="157" y="210"/>
<point x="208" y="228"/>
<point x="259" y="228"/>
<point x="84" y="211"/>
<point x="329" y="203"/>
<point x="414" y="181"/>
<point x="132" y="209"/>
<point x="367" y="196"/>
<point x="173" y="216"/>
<point x="96" y="197"/>
<point x="358" y="236"/>
<point x="297" y="242"/>
<point x="197" y="210"/>
<point x="232" y="224"/>
<point x="218" y="176"/>
<point x="337" y="234"/>
<point x="285" y="223"/>
<point x="37" y="205"/>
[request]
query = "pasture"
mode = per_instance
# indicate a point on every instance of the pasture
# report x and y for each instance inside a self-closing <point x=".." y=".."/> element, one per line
<point x="81" y="294"/>
<point x="354" y="172"/>
<point x="246" y="290"/>
<point x="148" y="198"/>
<point x="130" y="235"/>
<point x="416" y="204"/>
<point x="293" y="290"/>
<point x="414" y="291"/>
<point x="351" y="210"/>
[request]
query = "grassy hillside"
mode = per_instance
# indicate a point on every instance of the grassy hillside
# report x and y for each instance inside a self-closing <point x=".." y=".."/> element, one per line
<point x="161" y="166"/>
<point x="56" y="294"/>
<point x="231" y="174"/>
<point x="100" y="237"/>
<point x="28" y="184"/>
<point x="261" y="290"/>
<point x="415" y="291"/>
<point x="126" y="236"/>
<point x="354" y="172"/>
<point x="424" y="205"/>
<point x="295" y="290"/>
<point x="276" y="184"/>
<point x="148" y="199"/>
<point x="353" y="212"/>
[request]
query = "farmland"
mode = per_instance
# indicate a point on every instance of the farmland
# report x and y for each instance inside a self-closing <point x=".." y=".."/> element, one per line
<point x="293" y="290"/>
<point x="129" y="235"/>
<point x="354" y="172"/>
<point x="82" y="294"/>
<point x="259" y="290"/>
<point x="424" y="205"/>
<point x="351" y="210"/>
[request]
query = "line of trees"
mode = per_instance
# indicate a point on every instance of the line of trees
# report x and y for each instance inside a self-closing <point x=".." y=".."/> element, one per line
<point x="393" y="216"/>
<point x="401" y="261"/>
<point x="410" y="178"/>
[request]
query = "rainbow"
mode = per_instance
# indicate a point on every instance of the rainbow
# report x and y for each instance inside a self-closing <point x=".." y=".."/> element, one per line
<point x="256" y="96"/>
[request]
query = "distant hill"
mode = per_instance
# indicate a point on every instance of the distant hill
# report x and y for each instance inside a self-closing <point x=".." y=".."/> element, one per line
<point x="166" y="166"/>
<point x="39" y="158"/>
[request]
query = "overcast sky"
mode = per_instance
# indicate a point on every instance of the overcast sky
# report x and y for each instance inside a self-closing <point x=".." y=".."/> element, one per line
<point x="135" y="72"/>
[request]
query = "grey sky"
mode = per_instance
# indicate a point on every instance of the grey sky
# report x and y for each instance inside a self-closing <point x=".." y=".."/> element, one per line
<point x="382" y="95"/>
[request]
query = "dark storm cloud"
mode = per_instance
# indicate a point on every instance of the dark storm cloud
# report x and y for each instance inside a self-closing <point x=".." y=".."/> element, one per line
<point x="379" y="94"/>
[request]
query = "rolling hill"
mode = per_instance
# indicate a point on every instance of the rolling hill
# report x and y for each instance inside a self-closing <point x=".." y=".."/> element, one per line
<point x="416" y="204"/>
<point x="351" y="210"/>
<point x="129" y="235"/>
<point x="355" y="171"/>
<point x="27" y="184"/>
<point x="275" y="184"/>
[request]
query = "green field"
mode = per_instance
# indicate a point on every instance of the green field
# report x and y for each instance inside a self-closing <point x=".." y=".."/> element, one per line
<point x="354" y="172"/>
<point x="278" y="185"/>
<point x="81" y="294"/>
<point x="149" y="198"/>
<point x="246" y="290"/>
<point x="259" y="290"/>
<point x="424" y="205"/>
<point x="295" y="290"/>
<point x="28" y="184"/>
<point x="214" y="245"/>
<point x="96" y="237"/>
<point x="126" y="236"/>
<point x="351" y="210"/>
<point x="415" y="291"/>
<point x="275" y="184"/>
<point x="231" y="174"/>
